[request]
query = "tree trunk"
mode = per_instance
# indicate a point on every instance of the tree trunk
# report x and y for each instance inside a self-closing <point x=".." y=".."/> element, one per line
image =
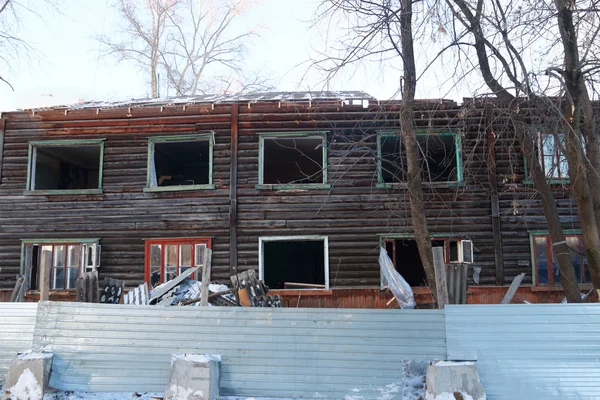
<point x="565" y="263"/>
<point x="574" y="151"/>
<point x="559" y="244"/>
<point x="413" y="154"/>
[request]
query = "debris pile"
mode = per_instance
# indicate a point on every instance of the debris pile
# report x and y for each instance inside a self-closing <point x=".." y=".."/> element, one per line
<point x="246" y="291"/>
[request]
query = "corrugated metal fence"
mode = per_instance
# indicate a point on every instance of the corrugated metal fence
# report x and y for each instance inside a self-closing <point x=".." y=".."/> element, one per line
<point x="522" y="351"/>
<point x="308" y="353"/>
<point x="16" y="331"/>
<point x="529" y="351"/>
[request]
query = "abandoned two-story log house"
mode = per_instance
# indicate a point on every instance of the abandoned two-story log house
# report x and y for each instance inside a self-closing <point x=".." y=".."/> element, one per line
<point x="302" y="187"/>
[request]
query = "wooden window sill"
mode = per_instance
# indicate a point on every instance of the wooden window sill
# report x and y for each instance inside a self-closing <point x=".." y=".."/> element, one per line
<point x="178" y="188"/>
<point x="66" y="192"/>
<point x="303" y="186"/>
<point x="557" y="288"/>
<point x="301" y="292"/>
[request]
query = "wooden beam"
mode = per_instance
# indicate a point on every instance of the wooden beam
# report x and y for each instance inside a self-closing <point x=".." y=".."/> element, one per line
<point x="233" y="177"/>
<point x="45" y="282"/>
<point x="510" y="293"/>
<point x="206" y="276"/>
<point x="440" y="276"/>
<point x="495" y="203"/>
<point x="2" y="130"/>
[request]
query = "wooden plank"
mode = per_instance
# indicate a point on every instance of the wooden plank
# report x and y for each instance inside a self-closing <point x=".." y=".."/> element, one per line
<point x="17" y="289"/>
<point x="233" y="183"/>
<point x="206" y="276"/>
<point x="45" y="282"/>
<point x="513" y="288"/>
<point x="168" y="286"/>
<point x="440" y="276"/>
<point x="2" y="131"/>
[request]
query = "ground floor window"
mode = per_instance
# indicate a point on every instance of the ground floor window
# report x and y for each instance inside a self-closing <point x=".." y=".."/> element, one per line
<point x="288" y="262"/>
<point x="544" y="261"/>
<point x="167" y="258"/>
<point x="406" y="258"/>
<point x="65" y="261"/>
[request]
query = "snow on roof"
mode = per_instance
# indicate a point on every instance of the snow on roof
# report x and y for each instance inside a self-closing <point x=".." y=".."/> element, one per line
<point x="221" y="98"/>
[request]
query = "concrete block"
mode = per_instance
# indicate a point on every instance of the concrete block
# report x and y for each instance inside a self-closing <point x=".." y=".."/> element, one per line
<point x="194" y="377"/>
<point x="28" y="377"/>
<point x="453" y="380"/>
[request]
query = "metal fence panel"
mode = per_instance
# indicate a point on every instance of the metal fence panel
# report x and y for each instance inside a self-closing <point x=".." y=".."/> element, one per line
<point x="529" y="351"/>
<point x="17" y="321"/>
<point x="320" y="353"/>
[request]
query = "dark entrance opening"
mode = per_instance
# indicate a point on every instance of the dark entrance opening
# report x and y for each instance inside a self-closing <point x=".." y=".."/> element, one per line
<point x="405" y="256"/>
<point x="182" y="163"/>
<point x="66" y="167"/>
<point x="293" y="262"/>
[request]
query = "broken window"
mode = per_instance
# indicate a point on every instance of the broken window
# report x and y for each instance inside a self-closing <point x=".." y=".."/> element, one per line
<point x="64" y="261"/>
<point x="546" y="266"/>
<point x="180" y="162"/>
<point x="65" y="165"/>
<point x="167" y="258"/>
<point x="294" y="263"/>
<point x="441" y="153"/>
<point x="293" y="160"/>
<point x="407" y="261"/>
<point x="553" y="161"/>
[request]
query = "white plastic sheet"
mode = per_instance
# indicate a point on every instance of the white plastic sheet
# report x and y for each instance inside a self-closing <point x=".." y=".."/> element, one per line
<point x="399" y="287"/>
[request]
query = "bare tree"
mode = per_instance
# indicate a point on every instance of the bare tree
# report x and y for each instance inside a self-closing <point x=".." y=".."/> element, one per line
<point x="382" y="30"/>
<point x="502" y="36"/>
<point x="194" y="42"/>
<point x="12" y="47"/>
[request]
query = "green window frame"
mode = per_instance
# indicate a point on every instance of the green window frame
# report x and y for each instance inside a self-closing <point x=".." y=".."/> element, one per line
<point x="559" y="163"/>
<point x="210" y="137"/>
<point x="34" y="145"/>
<point x="285" y="135"/>
<point x="540" y="246"/>
<point x="396" y="133"/>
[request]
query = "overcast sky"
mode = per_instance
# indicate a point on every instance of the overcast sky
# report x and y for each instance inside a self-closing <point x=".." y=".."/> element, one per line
<point x="68" y="69"/>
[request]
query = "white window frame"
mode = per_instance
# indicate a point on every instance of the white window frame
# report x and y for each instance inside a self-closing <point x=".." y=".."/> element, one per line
<point x="306" y="238"/>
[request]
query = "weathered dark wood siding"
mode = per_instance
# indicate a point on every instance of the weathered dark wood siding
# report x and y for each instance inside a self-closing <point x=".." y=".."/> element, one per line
<point x="352" y="213"/>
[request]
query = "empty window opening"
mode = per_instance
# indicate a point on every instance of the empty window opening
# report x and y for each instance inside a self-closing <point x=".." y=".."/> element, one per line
<point x="438" y="151"/>
<point x="294" y="264"/>
<point x="65" y="167"/>
<point x="293" y="160"/>
<point x="180" y="163"/>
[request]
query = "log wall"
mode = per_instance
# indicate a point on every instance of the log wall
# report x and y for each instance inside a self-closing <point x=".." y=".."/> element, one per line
<point x="353" y="213"/>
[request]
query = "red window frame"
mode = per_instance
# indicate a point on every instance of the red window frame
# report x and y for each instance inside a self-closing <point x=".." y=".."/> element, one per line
<point x="171" y="241"/>
<point x="550" y="259"/>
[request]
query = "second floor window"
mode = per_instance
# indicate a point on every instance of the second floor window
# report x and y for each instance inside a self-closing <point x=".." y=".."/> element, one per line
<point x="180" y="162"/>
<point x="65" y="165"/>
<point x="553" y="161"/>
<point x="294" y="159"/>
<point x="441" y="154"/>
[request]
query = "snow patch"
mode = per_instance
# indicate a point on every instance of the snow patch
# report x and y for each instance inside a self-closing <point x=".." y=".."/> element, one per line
<point x="200" y="358"/>
<point x="450" y="396"/>
<point x="454" y="363"/>
<point x="34" y="356"/>
<point x="181" y="393"/>
<point x="26" y="388"/>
